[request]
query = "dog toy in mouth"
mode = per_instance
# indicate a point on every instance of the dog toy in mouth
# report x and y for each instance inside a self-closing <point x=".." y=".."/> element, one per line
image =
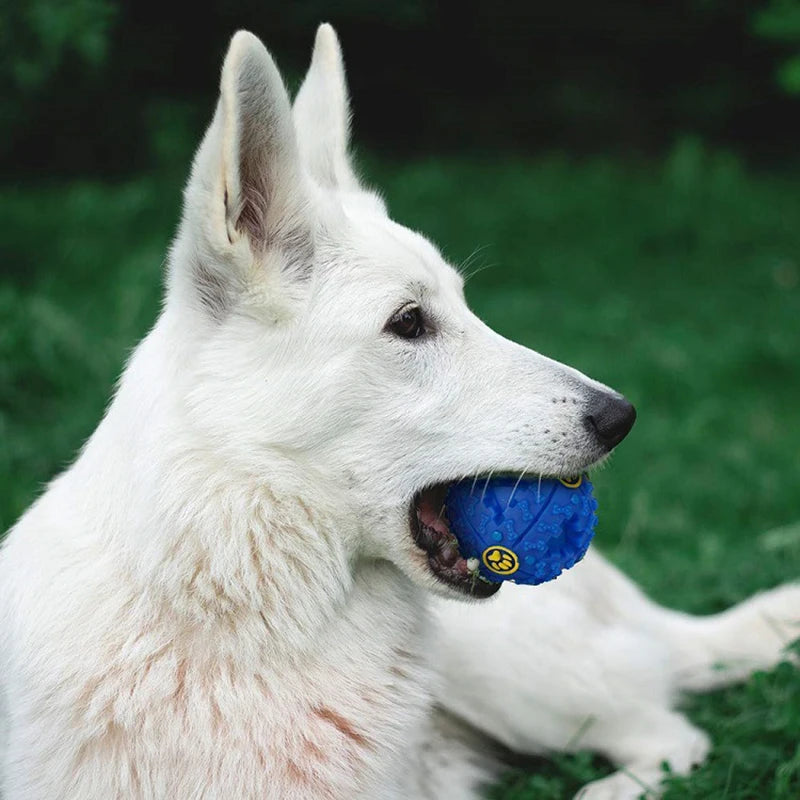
<point x="526" y="531"/>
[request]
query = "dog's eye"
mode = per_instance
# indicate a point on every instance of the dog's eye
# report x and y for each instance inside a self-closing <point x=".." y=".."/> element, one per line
<point x="407" y="323"/>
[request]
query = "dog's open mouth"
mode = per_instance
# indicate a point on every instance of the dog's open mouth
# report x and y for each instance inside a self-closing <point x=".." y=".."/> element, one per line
<point x="431" y="531"/>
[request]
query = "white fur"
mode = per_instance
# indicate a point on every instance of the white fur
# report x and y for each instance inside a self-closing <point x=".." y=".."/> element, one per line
<point x="221" y="598"/>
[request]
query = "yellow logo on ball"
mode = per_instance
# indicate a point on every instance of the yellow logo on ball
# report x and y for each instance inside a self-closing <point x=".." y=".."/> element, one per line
<point x="500" y="560"/>
<point x="572" y="483"/>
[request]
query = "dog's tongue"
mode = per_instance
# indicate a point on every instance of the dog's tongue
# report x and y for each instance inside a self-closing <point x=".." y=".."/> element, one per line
<point x="429" y="516"/>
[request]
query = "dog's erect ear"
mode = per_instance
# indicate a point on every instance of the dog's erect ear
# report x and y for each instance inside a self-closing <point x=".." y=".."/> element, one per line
<point x="260" y="159"/>
<point x="246" y="197"/>
<point x="322" y="115"/>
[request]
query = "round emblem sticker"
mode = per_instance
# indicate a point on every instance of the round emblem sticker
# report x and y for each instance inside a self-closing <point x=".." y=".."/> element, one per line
<point x="500" y="560"/>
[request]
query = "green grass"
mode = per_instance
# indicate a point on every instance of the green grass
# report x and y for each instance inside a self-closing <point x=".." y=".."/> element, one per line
<point x="676" y="283"/>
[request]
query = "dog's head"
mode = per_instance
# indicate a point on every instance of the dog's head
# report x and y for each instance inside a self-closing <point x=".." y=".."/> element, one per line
<point x="333" y="344"/>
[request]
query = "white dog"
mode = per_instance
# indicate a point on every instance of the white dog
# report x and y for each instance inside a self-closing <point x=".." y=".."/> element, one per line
<point x="227" y="595"/>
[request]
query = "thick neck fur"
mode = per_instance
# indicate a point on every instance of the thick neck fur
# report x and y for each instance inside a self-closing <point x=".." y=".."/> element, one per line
<point x="207" y="624"/>
<point x="243" y="545"/>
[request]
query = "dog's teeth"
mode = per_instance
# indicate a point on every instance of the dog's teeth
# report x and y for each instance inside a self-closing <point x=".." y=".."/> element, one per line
<point x="473" y="564"/>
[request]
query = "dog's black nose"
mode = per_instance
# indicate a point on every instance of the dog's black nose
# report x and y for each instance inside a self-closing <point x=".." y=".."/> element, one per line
<point x="609" y="416"/>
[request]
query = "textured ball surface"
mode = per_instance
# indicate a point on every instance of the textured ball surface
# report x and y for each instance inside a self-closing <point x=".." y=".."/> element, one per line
<point x="526" y="532"/>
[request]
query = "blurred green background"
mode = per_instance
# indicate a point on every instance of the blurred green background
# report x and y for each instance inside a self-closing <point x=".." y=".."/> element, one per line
<point x="622" y="177"/>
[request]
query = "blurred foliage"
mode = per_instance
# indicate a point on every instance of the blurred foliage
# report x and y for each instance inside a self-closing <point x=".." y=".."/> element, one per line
<point x="109" y="86"/>
<point x="37" y="36"/>
<point x="781" y="21"/>
<point x="44" y="45"/>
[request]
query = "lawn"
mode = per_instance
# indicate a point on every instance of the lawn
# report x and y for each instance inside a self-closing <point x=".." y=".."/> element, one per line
<point x="676" y="282"/>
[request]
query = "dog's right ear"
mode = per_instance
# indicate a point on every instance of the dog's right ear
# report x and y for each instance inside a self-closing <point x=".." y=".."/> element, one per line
<point x="246" y="215"/>
<point x="322" y="115"/>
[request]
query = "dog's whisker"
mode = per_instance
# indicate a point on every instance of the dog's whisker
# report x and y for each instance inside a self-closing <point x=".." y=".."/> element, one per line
<point x="465" y="267"/>
<point x="478" y="269"/>
<point x="470" y="259"/>
<point x="486" y="485"/>
<point x="516" y="485"/>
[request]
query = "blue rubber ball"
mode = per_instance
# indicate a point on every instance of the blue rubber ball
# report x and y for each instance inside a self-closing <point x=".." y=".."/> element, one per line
<point x="526" y="531"/>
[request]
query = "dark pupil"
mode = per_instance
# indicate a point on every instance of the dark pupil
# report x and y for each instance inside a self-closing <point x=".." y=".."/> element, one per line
<point x="408" y="324"/>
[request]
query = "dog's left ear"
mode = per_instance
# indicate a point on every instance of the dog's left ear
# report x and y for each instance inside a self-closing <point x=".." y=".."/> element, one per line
<point x="247" y="218"/>
<point x="322" y="116"/>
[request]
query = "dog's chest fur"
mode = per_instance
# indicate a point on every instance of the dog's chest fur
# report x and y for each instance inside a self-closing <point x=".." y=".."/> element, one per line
<point x="113" y="707"/>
